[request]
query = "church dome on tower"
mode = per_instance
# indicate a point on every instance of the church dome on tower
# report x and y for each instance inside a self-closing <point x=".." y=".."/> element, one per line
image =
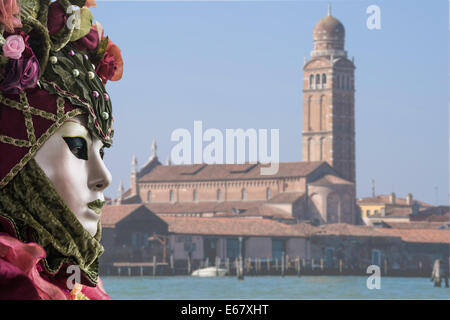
<point x="329" y="37"/>
<point x="329" y="28"/>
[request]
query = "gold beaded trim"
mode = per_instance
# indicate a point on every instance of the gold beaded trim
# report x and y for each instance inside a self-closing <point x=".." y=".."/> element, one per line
<point x="32" y="143"/>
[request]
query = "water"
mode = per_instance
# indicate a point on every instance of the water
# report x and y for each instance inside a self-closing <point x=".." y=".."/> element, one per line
<point x="305" y="287"/>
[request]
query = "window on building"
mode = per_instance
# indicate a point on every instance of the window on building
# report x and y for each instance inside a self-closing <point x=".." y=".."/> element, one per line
<point x="367" y="213"/>
<point x="277" y="249"/>
<point x="194" y="195"/>
<point x="219" y="194"/>
<point x="233" y="248"/>
<point x="375" y="212"/>
<point x="311" y="81"/>
<point x="244" y="194"/>
<point x="171" y="196"/>
<point x="338" y="80"/>
<point x="149" y="196"/>
<point x="317" y="80"/>
<point x="324" y="80"/>
<point x="268" y="194"/>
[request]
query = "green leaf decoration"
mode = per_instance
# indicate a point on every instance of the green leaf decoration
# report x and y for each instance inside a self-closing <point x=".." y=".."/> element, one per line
<point x="2" y="39"/>
<point x="86" y="20"/>
<point x="29" y="8"/>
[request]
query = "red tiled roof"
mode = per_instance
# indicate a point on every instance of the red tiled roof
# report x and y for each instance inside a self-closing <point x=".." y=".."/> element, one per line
<point x="201" y="207"/>
<point x="230" y="227"/>
<point x="267" y="211"/>
<point x="343" y="229"/>
<point x="202" y="172"/>
<point x="414" y="225"/>
<point x="330" y="179"/>
<point x="111" y="215"/>
<point x="419" y="235"/>
<point x="384" y="199"/>
<point x="398" y="212"/>
<point x="287" y="197"/>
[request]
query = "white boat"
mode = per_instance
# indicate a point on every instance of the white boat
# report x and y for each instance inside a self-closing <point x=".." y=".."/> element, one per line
<point x="209" y="272"/>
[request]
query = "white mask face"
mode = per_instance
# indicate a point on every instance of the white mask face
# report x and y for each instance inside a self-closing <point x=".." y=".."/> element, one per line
<point x="72" y="159"/>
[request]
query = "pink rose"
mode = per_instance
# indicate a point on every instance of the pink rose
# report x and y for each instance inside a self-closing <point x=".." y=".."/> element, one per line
<point x="13" y="47"/>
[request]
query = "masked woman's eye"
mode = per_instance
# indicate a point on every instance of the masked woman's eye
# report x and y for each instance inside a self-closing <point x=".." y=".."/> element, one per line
<point x="77" y="146"/>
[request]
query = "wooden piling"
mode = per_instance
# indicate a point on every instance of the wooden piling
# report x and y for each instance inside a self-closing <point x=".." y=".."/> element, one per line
<point x="340" y="265"/>
<point x="154" y="265"/>
<point x="321" y="264"/>
<point x="189" y="264"/>
<point x="268" y="265"/>
<point x="227" y="265"/>
<point x="172" y="265"/>
<point x="436" y="274"/>
<point x="282" y="265"/>
<point x="141" y="271"/>
<point x="129" y="271"/>
<point x="385" y="266"/>
<point x="298" y="266"/>
<point x="276" y="264"/>
<point x="312" y="264"/>
<point x="119" y="271"/>
<point x="240" y="269"/>
<point x="206" y="262"/>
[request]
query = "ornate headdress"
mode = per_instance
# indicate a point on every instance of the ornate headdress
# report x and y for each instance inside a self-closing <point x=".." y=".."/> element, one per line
<point x="54" y="64"/>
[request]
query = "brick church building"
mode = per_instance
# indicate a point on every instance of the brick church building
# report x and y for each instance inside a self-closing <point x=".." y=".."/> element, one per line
<point x="320" y="189"/>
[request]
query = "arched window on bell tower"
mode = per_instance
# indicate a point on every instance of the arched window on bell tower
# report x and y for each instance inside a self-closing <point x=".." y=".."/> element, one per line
<point x="311" y="81"/>
<point x="317" y="80"/>
<point x="324" y="80"/>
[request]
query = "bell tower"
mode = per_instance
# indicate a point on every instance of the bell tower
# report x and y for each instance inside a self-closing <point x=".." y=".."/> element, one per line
<point x="329" y="100"/>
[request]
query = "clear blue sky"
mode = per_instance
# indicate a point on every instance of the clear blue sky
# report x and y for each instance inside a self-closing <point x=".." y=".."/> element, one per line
<point x="239" y="65"/>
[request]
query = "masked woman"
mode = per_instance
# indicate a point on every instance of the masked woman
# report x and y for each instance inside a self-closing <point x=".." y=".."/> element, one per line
<point x="55" y="121"/>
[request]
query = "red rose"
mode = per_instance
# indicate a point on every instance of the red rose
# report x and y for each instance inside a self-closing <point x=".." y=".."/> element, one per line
<point x="89" y="42"/>
<point x="107" y="67"/>
<point x="56" y="18"/>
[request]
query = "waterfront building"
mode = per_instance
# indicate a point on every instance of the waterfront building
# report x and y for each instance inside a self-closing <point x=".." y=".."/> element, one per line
<point x="390" y="209"/>
<point x="320" y="189"/>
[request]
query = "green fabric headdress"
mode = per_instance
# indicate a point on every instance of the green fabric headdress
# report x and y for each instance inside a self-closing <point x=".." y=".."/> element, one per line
<point x="38" y="214"/>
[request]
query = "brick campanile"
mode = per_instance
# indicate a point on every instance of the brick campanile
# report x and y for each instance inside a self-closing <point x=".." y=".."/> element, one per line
<point x="329" y="100"/>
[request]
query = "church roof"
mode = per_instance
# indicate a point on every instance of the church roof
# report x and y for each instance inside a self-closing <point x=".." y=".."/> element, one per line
<point x="286" y="197"/>
<point x="330" y="179"/>
<point x="207" y="172"/>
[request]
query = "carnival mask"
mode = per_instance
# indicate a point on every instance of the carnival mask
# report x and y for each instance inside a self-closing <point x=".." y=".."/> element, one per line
<point x="72" y="159"/>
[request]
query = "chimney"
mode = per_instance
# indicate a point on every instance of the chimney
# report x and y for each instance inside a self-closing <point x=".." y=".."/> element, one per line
<point x="409" y="199"/>
<point x="392" y="198"/>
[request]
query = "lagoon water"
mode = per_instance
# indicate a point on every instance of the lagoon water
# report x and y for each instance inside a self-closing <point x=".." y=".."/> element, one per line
<point x="270" y="287"/>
